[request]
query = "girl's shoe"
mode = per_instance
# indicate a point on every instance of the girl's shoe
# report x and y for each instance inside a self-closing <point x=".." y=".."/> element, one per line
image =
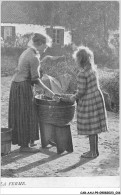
<point x="33" y="144"/>
<point x="93" y="153"/>
<point x="89" y="151"/>
<point x="89" y="155"/>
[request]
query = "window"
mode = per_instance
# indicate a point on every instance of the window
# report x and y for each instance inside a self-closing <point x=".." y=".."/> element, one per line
<point x="7" y="32"/>
<point x="56" y="36"/>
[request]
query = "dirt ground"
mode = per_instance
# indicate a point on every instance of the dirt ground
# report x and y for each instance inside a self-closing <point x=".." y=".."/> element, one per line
<point x="48" y="163"/>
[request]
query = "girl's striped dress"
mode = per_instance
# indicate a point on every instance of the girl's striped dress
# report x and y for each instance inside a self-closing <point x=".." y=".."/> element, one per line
<point x="91" y="112"/>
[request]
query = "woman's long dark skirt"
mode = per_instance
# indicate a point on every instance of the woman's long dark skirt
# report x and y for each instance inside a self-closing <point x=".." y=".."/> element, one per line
<point x="22" y="116"/>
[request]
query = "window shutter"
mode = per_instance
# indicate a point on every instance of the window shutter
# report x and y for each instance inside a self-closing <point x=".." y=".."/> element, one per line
<point x="61" y="32"/>
<point x="2" y="32"/>
<point x="48" y="31"/>
<point x="13" y="32"/>
<point x="54" y="36"/>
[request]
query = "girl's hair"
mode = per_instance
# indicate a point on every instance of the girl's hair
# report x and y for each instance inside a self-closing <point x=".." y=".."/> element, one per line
<point x="39" y="39"/>
<point x="85" y="56"/>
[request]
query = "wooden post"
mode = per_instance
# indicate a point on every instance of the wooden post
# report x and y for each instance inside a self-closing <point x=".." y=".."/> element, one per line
<point x="63" y="139"/>
<point x="59" y="136"/>
<point x="47" y="134"/>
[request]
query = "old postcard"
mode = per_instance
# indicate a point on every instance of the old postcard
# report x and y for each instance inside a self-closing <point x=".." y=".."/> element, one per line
<point x="60" y="97"/>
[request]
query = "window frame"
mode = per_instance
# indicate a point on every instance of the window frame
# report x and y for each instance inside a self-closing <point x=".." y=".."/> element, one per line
<point x="7" y="31"/>
<point x="56" y="36"/>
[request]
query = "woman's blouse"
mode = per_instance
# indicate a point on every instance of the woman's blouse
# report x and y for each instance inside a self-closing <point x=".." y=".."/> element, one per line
<point x="27" y="66"/>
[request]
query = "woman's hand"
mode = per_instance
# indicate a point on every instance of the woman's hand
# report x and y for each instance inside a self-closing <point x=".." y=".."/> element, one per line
<point x="56" y="97"/>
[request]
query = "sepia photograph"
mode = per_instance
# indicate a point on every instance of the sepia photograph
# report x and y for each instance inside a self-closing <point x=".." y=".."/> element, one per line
<point x="60" y="95"/>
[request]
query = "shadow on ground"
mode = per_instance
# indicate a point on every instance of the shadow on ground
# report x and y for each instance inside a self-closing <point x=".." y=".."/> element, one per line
<point x="15" y="155"/>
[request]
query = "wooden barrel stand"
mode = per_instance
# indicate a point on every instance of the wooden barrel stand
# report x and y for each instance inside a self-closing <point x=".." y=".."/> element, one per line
<point x="54" y="118"/>
<point x="59" y="136"/>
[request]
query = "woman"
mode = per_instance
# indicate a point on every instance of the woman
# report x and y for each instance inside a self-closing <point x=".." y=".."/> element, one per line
<point x="91" y="112"/>
<point x="22" y="116"/>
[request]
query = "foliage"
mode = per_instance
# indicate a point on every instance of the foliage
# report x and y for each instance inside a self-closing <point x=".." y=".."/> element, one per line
<point x="11" y="51"/>
<point x="91" y="23"/>
<point x="8" y="65"/>
<point x="88" y="20"/>
<point x="20" y="41"/>
<point x="113" y="43"/>
<point x="108" y="78"/>
<point x="109" y="82"/>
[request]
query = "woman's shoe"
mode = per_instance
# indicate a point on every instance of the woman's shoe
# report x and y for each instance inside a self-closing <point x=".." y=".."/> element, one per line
<point x="52" y="143"/>
<point x="29" y="150"/>
<point x="33" y="144"/>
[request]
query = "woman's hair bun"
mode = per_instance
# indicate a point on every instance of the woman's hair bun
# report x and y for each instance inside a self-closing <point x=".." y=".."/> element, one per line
<point x="39" y="39"/>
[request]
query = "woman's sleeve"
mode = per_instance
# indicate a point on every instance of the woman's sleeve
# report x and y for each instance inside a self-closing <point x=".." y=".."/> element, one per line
<point x="81" y="85"/>
<point x="34" y="65"/>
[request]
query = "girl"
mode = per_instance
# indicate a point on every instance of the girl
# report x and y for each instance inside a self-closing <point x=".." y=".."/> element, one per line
<point x="91" y="112"/>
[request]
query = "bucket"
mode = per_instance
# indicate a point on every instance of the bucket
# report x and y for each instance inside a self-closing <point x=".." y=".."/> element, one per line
<point x="6" y="137"/>
<point x="52" y="112"/>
